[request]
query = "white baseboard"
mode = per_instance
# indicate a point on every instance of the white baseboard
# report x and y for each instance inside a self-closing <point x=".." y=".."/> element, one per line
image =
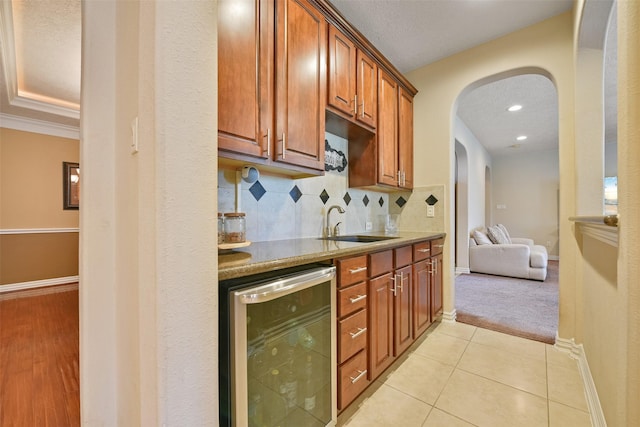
<point x="576" y="351"/>
<point x="449" y="316"/>
<point x="38" y="283"/>
<point x="462" y="270"/>
<point x="554" y="258"/>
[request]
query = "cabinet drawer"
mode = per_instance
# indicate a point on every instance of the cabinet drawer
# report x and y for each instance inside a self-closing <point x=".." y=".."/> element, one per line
<point x="351" y="270"/>
<point x="402" y="256"/>
<point x="352" y="379"/>
<point x="352" y="299"/>
<point x="421" y="251"/>
<point x="352" y="335"/>
<point x="436" y="246"/>
<point x="380" y="263"/>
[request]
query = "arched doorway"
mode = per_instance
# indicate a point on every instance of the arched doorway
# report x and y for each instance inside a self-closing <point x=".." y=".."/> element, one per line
<point x="509" y="181"/>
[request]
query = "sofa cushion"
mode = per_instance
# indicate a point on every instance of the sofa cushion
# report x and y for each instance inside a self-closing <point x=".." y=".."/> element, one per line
<point x="506" y="233"/>
<point x="497" y="236"/>
<point x="481" y="237"/>
<point x="538" y="257"/>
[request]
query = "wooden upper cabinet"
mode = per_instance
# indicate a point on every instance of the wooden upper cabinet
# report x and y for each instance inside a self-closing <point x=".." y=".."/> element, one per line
<point x="367" y="92"/>
<point x="387" y="133"/>
<point x="301" y="52"/>
<point x="342" y="75"/>
<point x="352" y="80"/>
<point x="245" y="76"/>
<point x="405" y="139"/>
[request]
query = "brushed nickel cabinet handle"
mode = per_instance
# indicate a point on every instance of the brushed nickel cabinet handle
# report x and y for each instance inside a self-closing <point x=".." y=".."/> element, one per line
<point x="284" y="145"/>
<point x="355" y="335"/>
<point x="357" y="270"/>
<point x="357" y="298"/>
<point x="424" y="250"/>
<point x="268" y="135"/>
<point x="355" y="105"/>
<point x="359" y="376"/>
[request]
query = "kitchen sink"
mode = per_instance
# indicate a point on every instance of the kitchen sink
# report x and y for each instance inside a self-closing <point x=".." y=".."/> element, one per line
<point x="358" y="238"/>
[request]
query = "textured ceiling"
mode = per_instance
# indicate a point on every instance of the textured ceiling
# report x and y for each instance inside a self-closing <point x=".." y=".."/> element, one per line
<point x="41" y="44"/>
<point x="413" y="33"/>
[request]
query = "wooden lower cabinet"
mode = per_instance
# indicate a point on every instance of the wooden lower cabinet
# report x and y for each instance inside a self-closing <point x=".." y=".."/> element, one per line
<point x="436" y="286"/>
<point x="386" y="300"/>
<point x="352" y="379"/>
<point x="380" y="324"/>
<point x="421" y="297"/>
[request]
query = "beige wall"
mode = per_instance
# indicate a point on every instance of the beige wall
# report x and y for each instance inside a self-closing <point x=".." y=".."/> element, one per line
<point x="31" y="180"/>
<point x="31" y="198"/>
<point x="527" y="184"/>
<point x="545" y="48"/>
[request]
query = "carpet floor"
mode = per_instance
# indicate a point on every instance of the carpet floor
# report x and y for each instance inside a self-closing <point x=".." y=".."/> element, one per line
<point x="525" y="308"/>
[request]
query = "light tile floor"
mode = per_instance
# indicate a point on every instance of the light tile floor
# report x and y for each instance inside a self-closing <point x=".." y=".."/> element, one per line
<point x="460" y="375"/>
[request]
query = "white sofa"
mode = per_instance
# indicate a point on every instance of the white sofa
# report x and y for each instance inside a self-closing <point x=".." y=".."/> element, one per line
<point x="521" y="258"/>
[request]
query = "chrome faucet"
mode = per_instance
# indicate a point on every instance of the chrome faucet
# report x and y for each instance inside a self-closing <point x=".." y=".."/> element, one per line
<point x="328" y="231"/>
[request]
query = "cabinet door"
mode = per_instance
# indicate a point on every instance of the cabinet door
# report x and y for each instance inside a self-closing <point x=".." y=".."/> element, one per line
<point x="380" y="324"/>
<point x="402" y="312"/>
<point x="421" y="300"/>
<point x="367" y="90"/>
<point x="342" y="75"/>
<point x="301" y="52"/>
<point x="405" y="139"/>
<point x="387" y="132"/>
<point x="245" y="76"/>
<point x="436" y="286"/>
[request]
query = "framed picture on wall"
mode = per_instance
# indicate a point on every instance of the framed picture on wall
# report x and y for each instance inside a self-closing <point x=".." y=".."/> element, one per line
<point x="71" y="185"/>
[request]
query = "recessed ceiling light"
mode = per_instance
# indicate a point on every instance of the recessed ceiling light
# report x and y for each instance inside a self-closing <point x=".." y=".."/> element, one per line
<point x="521" y="138"/>
<point x="515" y="107"/>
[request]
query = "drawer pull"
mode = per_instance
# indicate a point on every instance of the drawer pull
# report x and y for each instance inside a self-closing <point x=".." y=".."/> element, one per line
<point x="357" y="270"/>
<point x="424" y="250"/>
<point x="359" y="376"/>
<point x="358" y="298"/>
<point x="440" y="246"/>
<point x="355" y="335"/>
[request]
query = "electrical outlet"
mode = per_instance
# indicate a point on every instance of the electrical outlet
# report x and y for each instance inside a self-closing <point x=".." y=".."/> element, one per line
<point x="431" y="211"/>
<point x="368" y="226"/>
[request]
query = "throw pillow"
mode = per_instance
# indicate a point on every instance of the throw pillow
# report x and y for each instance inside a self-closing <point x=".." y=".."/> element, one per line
<point x="506" y="233"/>
<point x="496" y="235"/>
<point x="481" y="237"/>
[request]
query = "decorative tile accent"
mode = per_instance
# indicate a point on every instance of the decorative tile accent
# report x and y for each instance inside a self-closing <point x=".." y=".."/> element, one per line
<point x="381" y="201"/>
<point x="295" y="193"/>
<point x="365" y="200"/>
<point x="324" y="196"/>
<point x="401" y="201"/>
<point x="431" y="200"/>
<point x="257" y="190"/>
<point x="347" y="198"/>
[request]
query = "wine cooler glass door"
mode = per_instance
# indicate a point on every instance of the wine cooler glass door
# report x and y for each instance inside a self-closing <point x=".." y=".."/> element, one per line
<point x="284" y="339"/>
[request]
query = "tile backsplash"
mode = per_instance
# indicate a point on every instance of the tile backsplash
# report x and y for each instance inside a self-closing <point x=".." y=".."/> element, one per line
<point x="280" y="208"/>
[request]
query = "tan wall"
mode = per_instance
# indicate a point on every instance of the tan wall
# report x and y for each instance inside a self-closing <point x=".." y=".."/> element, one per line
<point x="30" y="257"/>
<point x="546" y="48"/>
<point x="31" y="197"/>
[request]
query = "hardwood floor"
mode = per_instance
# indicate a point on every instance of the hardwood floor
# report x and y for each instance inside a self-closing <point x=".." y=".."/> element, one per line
<point x="39" y="382"/>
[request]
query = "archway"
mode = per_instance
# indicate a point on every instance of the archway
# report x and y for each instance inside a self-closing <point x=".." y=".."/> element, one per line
<point x="522" y="179"/>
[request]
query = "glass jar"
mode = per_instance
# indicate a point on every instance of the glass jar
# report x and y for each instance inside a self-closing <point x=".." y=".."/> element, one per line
<point x="220" y="228"/>
<point x="234" y="227"/>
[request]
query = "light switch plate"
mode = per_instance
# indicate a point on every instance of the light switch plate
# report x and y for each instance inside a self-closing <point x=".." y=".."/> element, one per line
<point x="431" y="211"/>
<point x="368" y="226"/>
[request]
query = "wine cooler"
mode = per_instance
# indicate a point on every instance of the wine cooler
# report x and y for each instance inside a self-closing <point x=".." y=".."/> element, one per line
<point x="277" y="349"/>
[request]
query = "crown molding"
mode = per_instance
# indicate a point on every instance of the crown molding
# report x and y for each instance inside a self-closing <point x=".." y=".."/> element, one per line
<point x="16" y="97"/>
<point x="39" y="126"/>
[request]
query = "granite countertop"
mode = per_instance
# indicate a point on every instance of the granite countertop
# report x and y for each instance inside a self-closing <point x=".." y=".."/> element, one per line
<point x="267" y="256"/>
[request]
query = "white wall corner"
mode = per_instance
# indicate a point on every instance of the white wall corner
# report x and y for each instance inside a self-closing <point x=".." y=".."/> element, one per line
<point x="576" y="351"/>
